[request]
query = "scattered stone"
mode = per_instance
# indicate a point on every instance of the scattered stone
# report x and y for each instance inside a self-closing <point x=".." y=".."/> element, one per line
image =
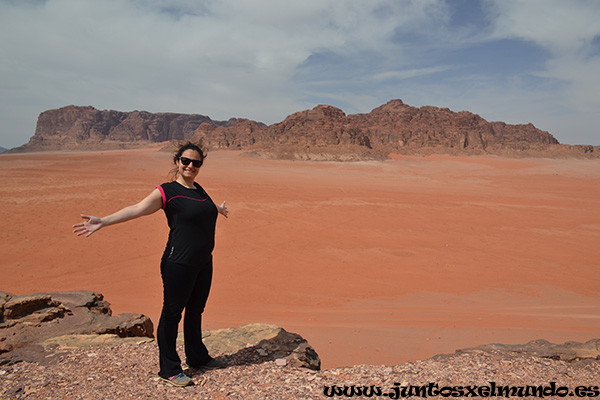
<point x="282" y="362"/>
<point x="262" y="352"/>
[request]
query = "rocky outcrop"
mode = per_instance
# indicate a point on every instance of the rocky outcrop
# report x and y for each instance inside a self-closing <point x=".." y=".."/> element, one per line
<point x="322" y="133"/>
<point x="327" y="133"/>
<point x="30" y="324"/>
<point x="264" y="342"/>
<point x="253" y="343"/>
<point x="242" y="134"/>
<point x="396" y="126"/>
<point x="30" y="309"/>
<point x="31" y="319"/>
<point x="84" y="128"/>
<point x="568" y="351"/>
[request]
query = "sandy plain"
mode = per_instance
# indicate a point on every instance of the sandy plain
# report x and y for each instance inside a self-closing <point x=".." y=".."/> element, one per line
<point x="372" y="262"/>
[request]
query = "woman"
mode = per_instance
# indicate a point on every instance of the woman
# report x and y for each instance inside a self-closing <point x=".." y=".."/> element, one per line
<point x="186" y="264"/>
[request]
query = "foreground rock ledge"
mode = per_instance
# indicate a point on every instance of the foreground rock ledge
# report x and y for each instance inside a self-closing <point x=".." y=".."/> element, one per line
<point x="269" y="342"/>
<point x="31" y="324"/>
<point x="30" y="319"/>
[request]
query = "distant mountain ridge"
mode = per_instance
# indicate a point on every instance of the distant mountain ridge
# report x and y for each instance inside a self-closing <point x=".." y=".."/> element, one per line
<point x="322" y="133"/>
<point x="86" y="128"/>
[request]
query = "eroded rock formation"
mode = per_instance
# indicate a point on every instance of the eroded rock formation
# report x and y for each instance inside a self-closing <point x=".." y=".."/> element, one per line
<point x="327" y="133"/>
<point x="322" y="133"/>
<point x="30" y="325"/>
<point x="85" y="128"/>
<point x="264" y="342"/>
<point x="31" y="319"/>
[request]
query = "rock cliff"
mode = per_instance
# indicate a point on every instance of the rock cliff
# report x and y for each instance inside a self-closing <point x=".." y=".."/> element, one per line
<point x="83" y="128"/>
<point x="322" y="133"/>
<point x="327" y="133"/>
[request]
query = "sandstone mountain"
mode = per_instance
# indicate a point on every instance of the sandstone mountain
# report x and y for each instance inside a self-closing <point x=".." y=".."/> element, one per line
<point x="327" y="133"/>
<point x="86" y="128"/>
<point x="323" y="133"/>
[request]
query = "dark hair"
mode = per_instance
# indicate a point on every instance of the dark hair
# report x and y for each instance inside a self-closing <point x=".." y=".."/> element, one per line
<point x="189" y="146"/>
<point x="183" y="146"/>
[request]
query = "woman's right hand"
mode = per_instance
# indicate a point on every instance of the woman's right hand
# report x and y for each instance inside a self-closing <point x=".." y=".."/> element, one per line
<point x="87" y="227"/>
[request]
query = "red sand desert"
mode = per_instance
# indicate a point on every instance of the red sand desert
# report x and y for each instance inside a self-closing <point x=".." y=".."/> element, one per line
<point x="372" y="262"/>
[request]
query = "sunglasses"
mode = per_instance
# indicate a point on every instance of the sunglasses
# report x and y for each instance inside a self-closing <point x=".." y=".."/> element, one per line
<point x="186" y="161"/>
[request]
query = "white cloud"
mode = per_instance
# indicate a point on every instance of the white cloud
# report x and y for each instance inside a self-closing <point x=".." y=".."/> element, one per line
<point x="566" y="29"/>
<point x="560" y="26"/>
<point x="265" y="59"/>
<point x="408" y="73"/>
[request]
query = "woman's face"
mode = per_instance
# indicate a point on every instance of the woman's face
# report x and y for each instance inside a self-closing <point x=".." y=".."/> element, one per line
<point x="188" y="171"/>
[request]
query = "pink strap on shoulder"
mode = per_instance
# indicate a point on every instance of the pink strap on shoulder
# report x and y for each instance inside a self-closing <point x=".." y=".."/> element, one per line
<point x="164" y="197"/>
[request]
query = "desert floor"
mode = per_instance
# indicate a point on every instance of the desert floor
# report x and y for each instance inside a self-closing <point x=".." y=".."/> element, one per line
<point x="372" y="262"/>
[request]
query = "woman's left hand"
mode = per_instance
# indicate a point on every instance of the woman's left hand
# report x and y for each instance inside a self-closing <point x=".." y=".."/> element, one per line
<point x="223" y="209"/>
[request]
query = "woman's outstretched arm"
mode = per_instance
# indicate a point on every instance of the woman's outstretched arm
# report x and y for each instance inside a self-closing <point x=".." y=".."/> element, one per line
<point x="151" y="204"/>
<point x="223" y="209"/>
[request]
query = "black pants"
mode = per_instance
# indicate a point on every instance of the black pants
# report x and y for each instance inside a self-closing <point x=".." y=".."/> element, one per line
<point x="183" y="287"/>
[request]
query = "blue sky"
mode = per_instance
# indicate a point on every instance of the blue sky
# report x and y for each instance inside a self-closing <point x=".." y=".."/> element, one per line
<point x="516" y="61"/>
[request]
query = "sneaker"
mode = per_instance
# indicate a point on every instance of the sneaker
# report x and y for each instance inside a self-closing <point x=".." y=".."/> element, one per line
<point x="212" y="364"/>
<point x="180" y="380"/>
